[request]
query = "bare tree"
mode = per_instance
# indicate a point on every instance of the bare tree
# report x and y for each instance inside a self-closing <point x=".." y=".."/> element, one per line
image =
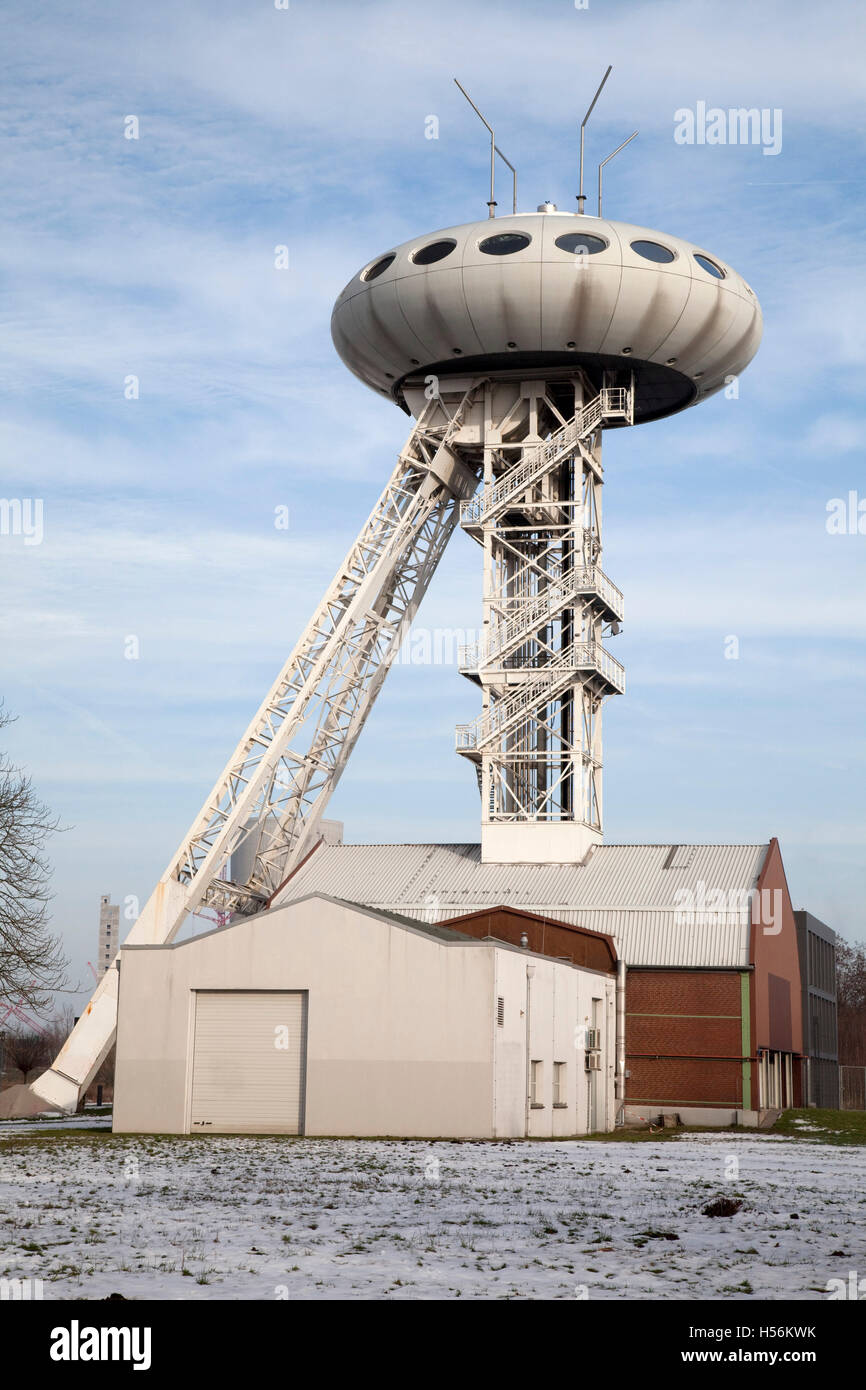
<point x="32" y="965"/>
<point x="57" y="1030"/>
<point x="851" y="1002"/>
<point x="27" y="1052"/>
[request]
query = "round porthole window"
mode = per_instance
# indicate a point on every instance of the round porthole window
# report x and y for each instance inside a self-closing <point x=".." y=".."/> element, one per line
<point x="504" y="243"/>
<point x="651" y="251"/>
<point x="581" y="243"/>
<point x="378" y="266"/>
<point x="710" y="266"/>
<point x="435" y="251"/>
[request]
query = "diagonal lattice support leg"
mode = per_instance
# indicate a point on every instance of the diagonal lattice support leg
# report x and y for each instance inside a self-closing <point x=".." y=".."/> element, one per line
<point x="264" y="810"/>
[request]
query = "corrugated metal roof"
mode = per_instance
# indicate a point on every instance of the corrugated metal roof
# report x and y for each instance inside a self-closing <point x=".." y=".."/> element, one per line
<point x="697" y="914"/>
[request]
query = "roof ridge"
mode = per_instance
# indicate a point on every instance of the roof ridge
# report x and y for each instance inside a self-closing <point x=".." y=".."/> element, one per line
<point x="616" y="844"/>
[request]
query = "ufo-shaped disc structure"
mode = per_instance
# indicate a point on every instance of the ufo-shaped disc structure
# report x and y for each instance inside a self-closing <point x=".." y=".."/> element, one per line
<point x="536" y="292"/>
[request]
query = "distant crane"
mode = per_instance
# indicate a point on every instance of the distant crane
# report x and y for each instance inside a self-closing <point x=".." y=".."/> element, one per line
<point x="15" y="1010"/>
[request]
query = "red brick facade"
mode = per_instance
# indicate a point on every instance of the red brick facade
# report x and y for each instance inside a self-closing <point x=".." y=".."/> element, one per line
<point x="685" y="1038"/>
<point x="777" y="1020"/>
<point x="667" y="1081"/>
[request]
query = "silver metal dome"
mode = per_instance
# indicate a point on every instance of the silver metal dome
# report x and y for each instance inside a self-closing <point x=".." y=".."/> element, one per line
<point x="625" y="297"/>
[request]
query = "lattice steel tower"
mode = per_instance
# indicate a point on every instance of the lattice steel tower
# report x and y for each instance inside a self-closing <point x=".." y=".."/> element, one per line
<point x="541" y="665"/>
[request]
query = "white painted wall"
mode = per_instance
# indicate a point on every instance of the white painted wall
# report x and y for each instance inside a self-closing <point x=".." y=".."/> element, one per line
<point x="536" y="842"/>
<point x="402" y="1031"/>
<point x="557" y="999"/>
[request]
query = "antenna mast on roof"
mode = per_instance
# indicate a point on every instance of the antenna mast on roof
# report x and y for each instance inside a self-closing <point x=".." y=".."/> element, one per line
<point x="581" y="197"/>
<point x="607" y="161"/>
<point x="494" y="151"/>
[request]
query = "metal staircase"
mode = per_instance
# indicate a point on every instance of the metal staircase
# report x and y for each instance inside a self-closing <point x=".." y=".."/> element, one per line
<point x="508" y="710"/>
<point x="528" y="617"/>
<point x="613" y="402"/>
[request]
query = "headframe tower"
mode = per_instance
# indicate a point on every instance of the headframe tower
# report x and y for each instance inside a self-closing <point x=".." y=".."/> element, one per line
<point x="514" y="347"/>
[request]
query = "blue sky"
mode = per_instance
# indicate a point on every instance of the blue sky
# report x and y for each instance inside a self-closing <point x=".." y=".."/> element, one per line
<point x="155" y="258"/>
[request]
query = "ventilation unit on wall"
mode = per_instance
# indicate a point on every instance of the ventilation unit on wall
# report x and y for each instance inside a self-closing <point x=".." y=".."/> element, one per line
<point x="593" y="1061"/>
<point x="593" y="1039"/>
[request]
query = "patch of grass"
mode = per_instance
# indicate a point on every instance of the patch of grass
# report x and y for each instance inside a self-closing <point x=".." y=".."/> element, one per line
<point x="642" y="1237"/>
<point x="18" y="1139"/>
<point x="723" y="1206"/>
<point x="826" y="1126"/>
<point x="664" y="1136"/>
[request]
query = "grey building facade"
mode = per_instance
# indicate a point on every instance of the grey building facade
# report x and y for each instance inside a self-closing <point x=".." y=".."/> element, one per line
<point x="109" y="934"/>
<point x="816" y="943"/>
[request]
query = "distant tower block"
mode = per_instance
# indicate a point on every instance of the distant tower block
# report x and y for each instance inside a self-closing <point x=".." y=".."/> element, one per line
<point x="109" y="934"/>
<point x="558" y="325"/>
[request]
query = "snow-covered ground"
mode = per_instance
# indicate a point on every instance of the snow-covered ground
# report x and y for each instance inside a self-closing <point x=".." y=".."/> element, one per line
<point x="26" y="1124"/>
<point x="247" y="1218"/>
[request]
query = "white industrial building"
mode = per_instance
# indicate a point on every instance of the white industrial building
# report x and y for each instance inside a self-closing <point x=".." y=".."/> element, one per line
<point x="326" y="1018"/>
<point x="704" y="936"/>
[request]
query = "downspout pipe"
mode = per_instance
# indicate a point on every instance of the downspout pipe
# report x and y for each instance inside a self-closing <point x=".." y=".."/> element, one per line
<point x="620" y="1042"/>
<point x="530" y="971"/>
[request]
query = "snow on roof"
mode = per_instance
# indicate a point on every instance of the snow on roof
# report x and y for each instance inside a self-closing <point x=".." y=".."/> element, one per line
<point x="673" y="905"/>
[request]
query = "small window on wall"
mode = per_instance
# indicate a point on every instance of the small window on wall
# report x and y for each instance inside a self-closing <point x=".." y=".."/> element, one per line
<point x="434" y="251"/>
<point x="581" y="243"/>
<point x="535" y="1085"/>
<point x="504" y="243"/>
<point x="710" y="266"/>
<point x="559" y="1078"/>
<point x="378" y="267"/>
<point x="651" y="251"/>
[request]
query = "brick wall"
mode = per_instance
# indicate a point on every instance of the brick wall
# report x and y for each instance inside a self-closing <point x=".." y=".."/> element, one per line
<point x="545" y="935"/>
<point x="684" y="1038"/>
<point x="673" y="1081"/>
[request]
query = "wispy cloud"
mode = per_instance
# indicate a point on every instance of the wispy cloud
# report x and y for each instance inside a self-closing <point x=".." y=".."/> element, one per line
<point x="154" y="259"/>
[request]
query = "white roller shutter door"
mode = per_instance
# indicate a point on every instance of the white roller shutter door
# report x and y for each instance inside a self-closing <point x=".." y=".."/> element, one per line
<point x="248" y="1062"/>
